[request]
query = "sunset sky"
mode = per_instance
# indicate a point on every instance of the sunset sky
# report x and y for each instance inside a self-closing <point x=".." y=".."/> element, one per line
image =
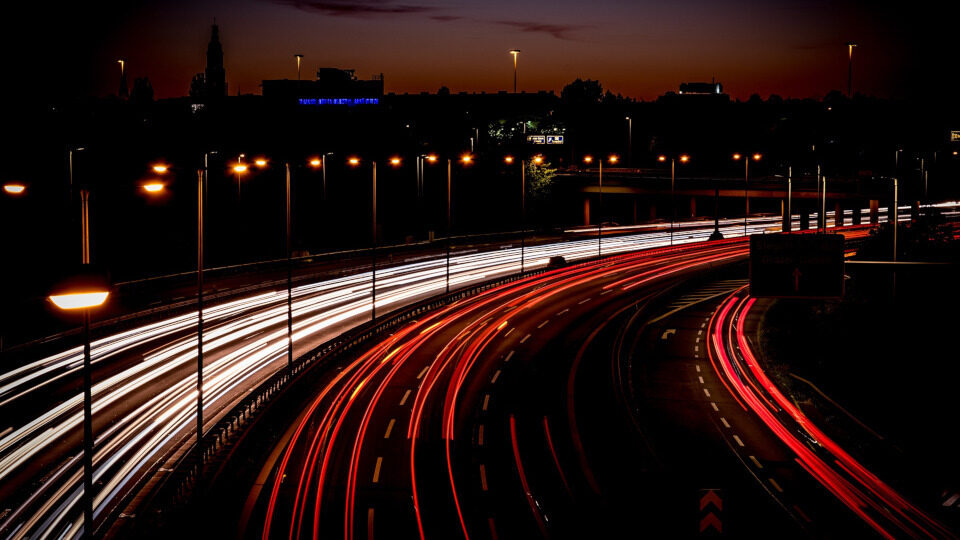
<point x="637" y="48"/>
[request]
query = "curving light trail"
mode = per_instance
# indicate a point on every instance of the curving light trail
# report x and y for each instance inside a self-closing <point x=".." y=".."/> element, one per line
<point x="875" y="502"/>
<point x="144" y="408"/>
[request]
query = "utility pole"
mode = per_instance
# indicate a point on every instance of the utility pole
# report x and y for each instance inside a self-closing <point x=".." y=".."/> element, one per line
<point x="850" y="46"/>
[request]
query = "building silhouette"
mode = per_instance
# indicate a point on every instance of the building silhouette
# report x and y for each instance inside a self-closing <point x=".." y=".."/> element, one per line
<point x="212" y="83"/>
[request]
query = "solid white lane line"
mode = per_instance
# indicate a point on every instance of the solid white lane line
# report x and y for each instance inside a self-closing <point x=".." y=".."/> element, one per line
<point x="495" y="376"/>
<point x="544" y="323"/>
<point x="509" y="356"/>
<point x="423" y="372"/>
<point x="376" y="470"/>
<point x="509" y="331"/>
<point x="404" y="398"/>
<point x="584" y="301"/>
<point x="756" y="462"/>
<point x="714" y="405"/>
<point x="563" y="311"/>
<point x="707" y="392"/>
<point x="725" y="423"/>
<point x="389" y="428"/>
<point x="525" y="338"/>
<point x="775" y="485"/>
<point x="739" y="441"/>
<point x="486" y="401"/>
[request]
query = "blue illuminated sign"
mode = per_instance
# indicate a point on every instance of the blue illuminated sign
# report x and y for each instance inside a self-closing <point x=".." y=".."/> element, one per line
<point x="339" y="101"/>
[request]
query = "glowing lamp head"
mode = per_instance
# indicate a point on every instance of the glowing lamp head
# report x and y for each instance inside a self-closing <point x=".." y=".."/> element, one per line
<point x="954" y="152"/>
<point x="153" y="187"/>
<point x="736" y="157"/>
<point x="239" y="168"/>
<point x="79" y="300"/>
<point x="432" y="158"/>
<point x="684" y="158"/>
<point x="353" y="162"/>
<point x="395" y="161"/>
<point x="260" y="162"/>
<point x="14" y="188"/>
<point x="756" y="157"/>
<point x="538" y="159"/>
<point x="160" y="168"/>
<point x="588" y="159"/>
<point x="614" y="159"/>
<point x="661" y="159"/>
<point x="508" y="160"/>
<point x="466" y="159"/>
<point x="315" y="162"/>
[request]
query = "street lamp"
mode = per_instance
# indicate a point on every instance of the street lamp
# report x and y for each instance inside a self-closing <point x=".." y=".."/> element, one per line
<point x="84" y="292"/>
<point x="629" y="141"/>
<point x="14" y="188"/>
<point x="260" y="163"/>
<point x="746" y="182"/>
<point x="299" y="59"/>
<point x="523" y="204"/>
<point x="515" y="53"/>
<point x="684" y="158"/>
<point x="612" y="159"/>
<point x="153" y="187"/>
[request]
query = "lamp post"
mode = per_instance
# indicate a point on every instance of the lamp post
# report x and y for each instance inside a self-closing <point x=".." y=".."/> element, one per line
<point x="523" y="206"/>
<point x="673" y="169"/>
<point x="515" y="53"/>
<point x="850" y="46"/>
<point x="629" y="141"/>
<point x="84" y="295"/>
<point x="613" y="158"/>
<point x="746" y="182"/>
<point x="299" y="59"/>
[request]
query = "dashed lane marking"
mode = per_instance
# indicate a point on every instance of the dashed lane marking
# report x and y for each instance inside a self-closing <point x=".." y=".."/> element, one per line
<point x="698" y="368"/>
<point x="389" y="428"/>
<point x="701" y="379"/>
<point x="544" y="323"/>
<point x="756" y="462"/>
<point x="775" y="485"/>
<point x="404" y="398"/>
<point x="495" y="376"/>
<point x="509" y="356"/>
<point x="423" y="372"/>
<point x="725" y="423"/>
<point x="584" y="301"/>
<point x="563" y="311"/>
<point x="707" y="392"/>
<point x="480" y="435"/>
<point x="483" y="477"/>
<point x="714" y="405"/>
<point x="525" y="338"/>
<point x="739" y="441"/>
<point x="508" y="332"/>
<point x="376" y="470"/>
<point x="486" y="401"/>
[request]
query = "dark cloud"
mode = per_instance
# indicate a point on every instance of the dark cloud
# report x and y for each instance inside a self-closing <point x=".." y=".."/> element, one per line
<point x="559" y="31"/>
<point x="446" y="18"/>
<point x="356" y="8"/>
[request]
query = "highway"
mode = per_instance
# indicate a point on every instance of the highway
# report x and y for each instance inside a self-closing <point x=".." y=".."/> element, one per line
<point x="511" y="415"/>
<point x="144" y="393"/>
<point x="145" y="380"/>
